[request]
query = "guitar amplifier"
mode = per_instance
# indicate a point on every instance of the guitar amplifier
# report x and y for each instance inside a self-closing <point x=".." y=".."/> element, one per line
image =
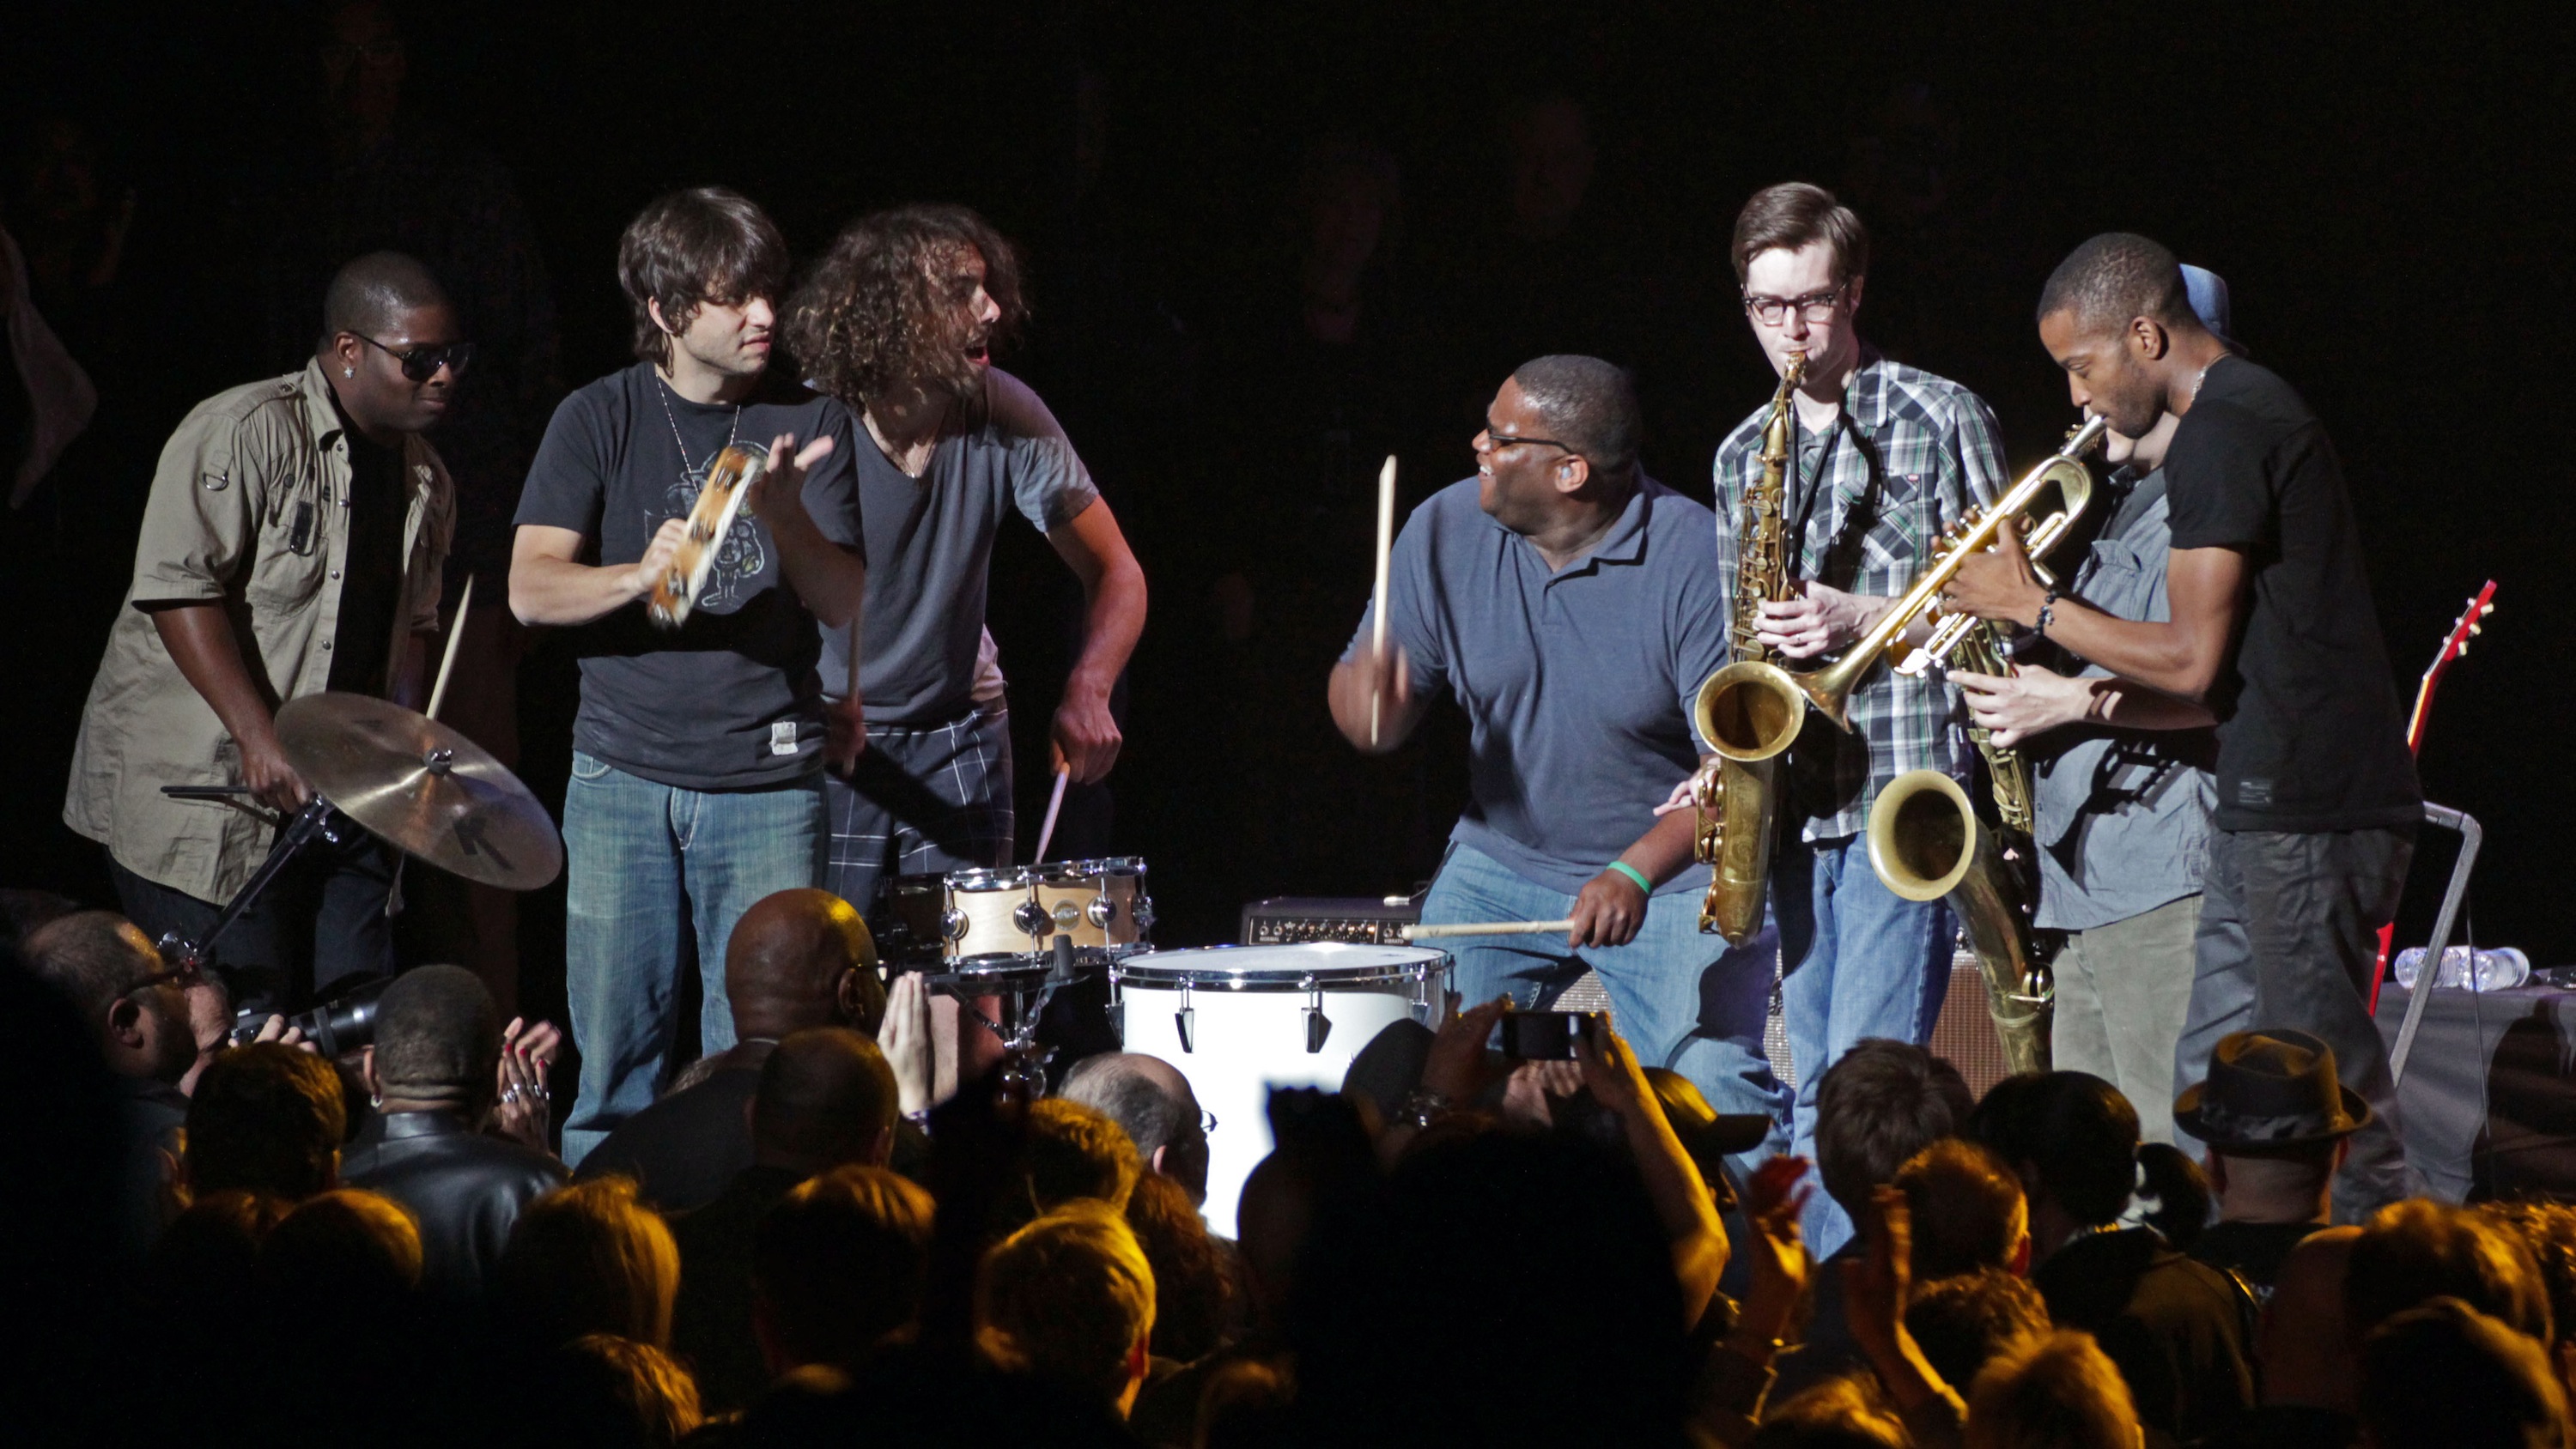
<point x="1360" y="920"/>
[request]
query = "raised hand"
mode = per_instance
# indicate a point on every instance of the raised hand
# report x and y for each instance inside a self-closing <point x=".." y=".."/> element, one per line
<point x="905" y="1039"/>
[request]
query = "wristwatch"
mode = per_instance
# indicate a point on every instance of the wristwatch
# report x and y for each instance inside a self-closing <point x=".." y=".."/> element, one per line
<point x="1422" y="1107"/>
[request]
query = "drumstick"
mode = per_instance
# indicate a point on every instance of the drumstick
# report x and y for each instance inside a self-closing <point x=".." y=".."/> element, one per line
<point x="437" y="695"/>
<point x="455" y="636"/>
<point x="1385" y="554"/>
<point x="1488" y="928"/>
<point x="1055" y="802"/>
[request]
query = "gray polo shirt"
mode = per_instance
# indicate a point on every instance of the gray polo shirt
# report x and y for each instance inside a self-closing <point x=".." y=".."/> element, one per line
<point x="2123" y="815"/>
<point x="1578" y="683"/>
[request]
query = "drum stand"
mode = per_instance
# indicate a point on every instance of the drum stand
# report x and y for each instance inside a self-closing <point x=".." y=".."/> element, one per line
<point x="1022" y="1003"/>
<point x="316" y="821"/>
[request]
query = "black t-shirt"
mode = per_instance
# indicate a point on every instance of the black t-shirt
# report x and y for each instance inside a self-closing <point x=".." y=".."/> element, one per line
<point x="374" y="565"/>
<point x="686" y="1147"/>
<point x="730" y="699"/>
<point x="2309" y="733"/>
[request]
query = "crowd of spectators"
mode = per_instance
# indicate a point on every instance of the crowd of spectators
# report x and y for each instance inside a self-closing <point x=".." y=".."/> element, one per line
<point x="245" y="1241"/>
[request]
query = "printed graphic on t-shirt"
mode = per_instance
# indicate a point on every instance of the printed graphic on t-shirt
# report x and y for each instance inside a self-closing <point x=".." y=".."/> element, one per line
<point x="741" y="560"/>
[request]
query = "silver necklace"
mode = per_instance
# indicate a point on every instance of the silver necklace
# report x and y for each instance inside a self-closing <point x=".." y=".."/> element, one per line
<point x="662" y="390"/>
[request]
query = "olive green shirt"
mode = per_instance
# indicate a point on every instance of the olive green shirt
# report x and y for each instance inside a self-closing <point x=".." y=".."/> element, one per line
<point x="250" y="509"/>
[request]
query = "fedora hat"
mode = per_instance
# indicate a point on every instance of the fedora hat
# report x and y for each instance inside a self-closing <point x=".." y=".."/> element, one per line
<point x="2270" y="1090"/>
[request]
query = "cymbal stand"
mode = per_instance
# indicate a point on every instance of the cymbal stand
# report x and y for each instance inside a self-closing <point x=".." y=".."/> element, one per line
<point x="316" y="821"/>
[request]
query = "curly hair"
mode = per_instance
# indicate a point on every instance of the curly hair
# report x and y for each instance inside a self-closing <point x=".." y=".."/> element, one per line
<point x="884" y="306"/>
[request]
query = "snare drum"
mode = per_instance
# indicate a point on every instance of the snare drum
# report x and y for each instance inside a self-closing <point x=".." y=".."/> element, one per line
<point x="1101" y="904"/>
<point x="992" y="913"/>
<point x="1236" y="1021"/>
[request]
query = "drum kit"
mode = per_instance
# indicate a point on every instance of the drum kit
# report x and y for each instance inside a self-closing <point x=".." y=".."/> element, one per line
<point x="1235" y="1021"/>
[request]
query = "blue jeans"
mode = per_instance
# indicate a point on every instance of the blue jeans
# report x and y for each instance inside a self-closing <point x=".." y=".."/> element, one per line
<point x="1685" y="1002"/>
<point x="644" y="862"/>
<point x="1857" y="961"/>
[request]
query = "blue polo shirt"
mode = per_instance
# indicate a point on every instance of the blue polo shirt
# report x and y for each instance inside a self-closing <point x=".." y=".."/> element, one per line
<point x="1578" y="683"/>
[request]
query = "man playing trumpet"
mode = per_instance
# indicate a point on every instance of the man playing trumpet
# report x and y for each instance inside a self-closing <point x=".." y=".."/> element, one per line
<point x="2271" y="627"/>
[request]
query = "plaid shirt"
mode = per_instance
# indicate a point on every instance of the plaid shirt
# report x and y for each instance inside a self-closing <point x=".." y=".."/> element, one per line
<point x="1908" y="454"/>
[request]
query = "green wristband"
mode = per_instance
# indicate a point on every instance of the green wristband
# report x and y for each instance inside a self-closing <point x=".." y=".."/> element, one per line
<point x="1634" y="874"/>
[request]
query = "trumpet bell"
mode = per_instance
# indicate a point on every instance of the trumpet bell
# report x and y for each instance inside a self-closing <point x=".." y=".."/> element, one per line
<point x="1750" y="711"/>
<point x="1922" y="835"/>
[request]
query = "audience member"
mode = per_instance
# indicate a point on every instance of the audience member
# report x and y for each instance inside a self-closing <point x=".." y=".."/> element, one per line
<point x="1877" y="1106"/>
<point x="347" y="1249"/>
<point x="589" y="1258"/>
<point x="266" y="1118"/>
<point x="1965" y="1320"/>
<point x="1072" y="1151"/>
<point x="1969" y="1215"/>
<point x="2417" y="1250"/>
<point x="826" y="1098"/>
<point x="607" y="1392"/>
<point x="797" y="959"/>
<point x="2052" y="1391"/>
<point x="837" y="1268"/>
<point x="1153" y="1101"/>
<point x="2442" y="1374"/>
<point x="432" y="1072"/>
<point x="2172" y="1195"/>
<point x="2309" y="1364"/>
<point x="1194" y="1292"/>
<point x="2177" y="1328"/>
<point x="2276" y="1120"/>
<point x="1846" y="1411"/>
<point x="1070" y="1297"/>
<point x="2548" y="1233"/>
<point x="138" y="1014"/>
<point x="334" y="1310"/>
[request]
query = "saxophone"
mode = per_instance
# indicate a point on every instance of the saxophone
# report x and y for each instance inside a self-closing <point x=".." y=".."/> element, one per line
<point x="1738" y="796"/>
<point x="1926" y="842"/>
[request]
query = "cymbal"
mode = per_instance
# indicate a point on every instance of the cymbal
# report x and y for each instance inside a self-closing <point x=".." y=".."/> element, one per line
<point x="422" y="788"/>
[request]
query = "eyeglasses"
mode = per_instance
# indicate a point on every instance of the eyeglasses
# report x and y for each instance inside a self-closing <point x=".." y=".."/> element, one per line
<point x="420" y="364"/>
<point x="182" y="976"/>
<point x="1500" y="441"/>
<point x="1207" y="1121"/>
<point x="1815" y="306"/>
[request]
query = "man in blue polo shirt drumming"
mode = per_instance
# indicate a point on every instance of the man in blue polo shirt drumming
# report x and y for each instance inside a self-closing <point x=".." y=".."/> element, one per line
<point x="1572" y="605"/>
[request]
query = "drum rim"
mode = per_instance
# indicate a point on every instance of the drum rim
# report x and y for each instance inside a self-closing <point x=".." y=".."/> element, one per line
<point x="1137" y="970"/>
<point x="986" y="878"/>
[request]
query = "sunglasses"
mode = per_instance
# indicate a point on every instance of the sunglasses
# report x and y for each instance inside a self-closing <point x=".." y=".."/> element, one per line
<point x="420" y="364"/>
<point x="183" y="977"/>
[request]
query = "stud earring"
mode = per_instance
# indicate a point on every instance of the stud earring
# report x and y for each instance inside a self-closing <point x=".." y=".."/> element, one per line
<point x="348" y="372"/>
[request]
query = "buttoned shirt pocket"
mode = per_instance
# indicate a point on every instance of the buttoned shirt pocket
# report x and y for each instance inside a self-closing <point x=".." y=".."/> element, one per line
<point x="291" y="555"/>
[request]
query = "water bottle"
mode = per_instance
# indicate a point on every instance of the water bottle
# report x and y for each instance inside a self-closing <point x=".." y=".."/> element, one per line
<point x="2498" y="969"/>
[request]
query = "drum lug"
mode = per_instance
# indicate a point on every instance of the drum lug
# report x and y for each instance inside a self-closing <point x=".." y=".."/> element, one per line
<point x="1033" y="920"/>
<point x="1066" y="915"/>
<point x="1187" y="1019"/>
<point x="1318" y="1026"/>
<point x="1100" y="912"/>
<point x="1144" y="912"/>
<point x="952" y="924"/>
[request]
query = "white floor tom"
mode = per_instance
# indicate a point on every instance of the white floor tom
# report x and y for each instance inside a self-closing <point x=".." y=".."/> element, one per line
<point x="1239" y="1020"/>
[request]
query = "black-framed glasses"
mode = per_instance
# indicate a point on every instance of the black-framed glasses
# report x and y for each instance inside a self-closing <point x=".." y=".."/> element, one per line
<point x="1815" y="306"/>
<point x="1500" y="441"/>
<point x="1207" y="1121"/>
<point x="420" y="364"/>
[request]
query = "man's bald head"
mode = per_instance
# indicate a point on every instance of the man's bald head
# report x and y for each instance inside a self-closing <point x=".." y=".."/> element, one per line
<point x="826" y="1098"/>
<point x="799" y="959"/>
<point x="374" y="293"/>
<point x="1150" y="1099"/>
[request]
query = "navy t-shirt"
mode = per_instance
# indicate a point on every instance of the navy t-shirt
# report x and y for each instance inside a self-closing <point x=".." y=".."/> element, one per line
<point x="2310" y="737"/>
<point x="1578" y="683"/>
<point x="730" y="699"/>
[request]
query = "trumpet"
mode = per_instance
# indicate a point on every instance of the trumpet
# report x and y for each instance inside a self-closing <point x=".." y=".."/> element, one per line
<point x="1829" y="689"/>
<point x="2074" y="494"/>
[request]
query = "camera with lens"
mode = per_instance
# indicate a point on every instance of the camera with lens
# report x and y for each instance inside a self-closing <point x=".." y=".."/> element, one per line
<point x="337" y="1027"/>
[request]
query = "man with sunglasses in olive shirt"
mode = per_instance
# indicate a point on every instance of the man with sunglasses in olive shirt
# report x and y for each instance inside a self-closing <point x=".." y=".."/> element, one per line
<point x="291" y="545"/>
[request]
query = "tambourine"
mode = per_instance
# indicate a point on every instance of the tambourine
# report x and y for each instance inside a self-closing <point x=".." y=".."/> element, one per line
<point x="729" y="479"/>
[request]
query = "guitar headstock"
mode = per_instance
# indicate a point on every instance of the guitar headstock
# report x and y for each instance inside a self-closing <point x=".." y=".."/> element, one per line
<point x="2466" y="627"/>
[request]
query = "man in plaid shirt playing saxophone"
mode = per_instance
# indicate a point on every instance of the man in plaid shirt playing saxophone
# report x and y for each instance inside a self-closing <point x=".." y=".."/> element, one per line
<point x="1886" y="457"/>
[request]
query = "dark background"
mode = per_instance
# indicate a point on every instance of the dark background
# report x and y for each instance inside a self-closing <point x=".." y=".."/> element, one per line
<point x="2382" y="186"/>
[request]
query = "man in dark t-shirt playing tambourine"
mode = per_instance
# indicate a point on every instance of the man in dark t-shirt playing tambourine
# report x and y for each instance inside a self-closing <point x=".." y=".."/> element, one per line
<point x="697" y="771"/>
<point x="2272" y="627"/>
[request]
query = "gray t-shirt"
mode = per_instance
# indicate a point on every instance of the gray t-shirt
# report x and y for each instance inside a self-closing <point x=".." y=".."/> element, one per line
<point x="1578" y="684"/>
<point x="2123" y="815"/>
<point x="929" y="548"/>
